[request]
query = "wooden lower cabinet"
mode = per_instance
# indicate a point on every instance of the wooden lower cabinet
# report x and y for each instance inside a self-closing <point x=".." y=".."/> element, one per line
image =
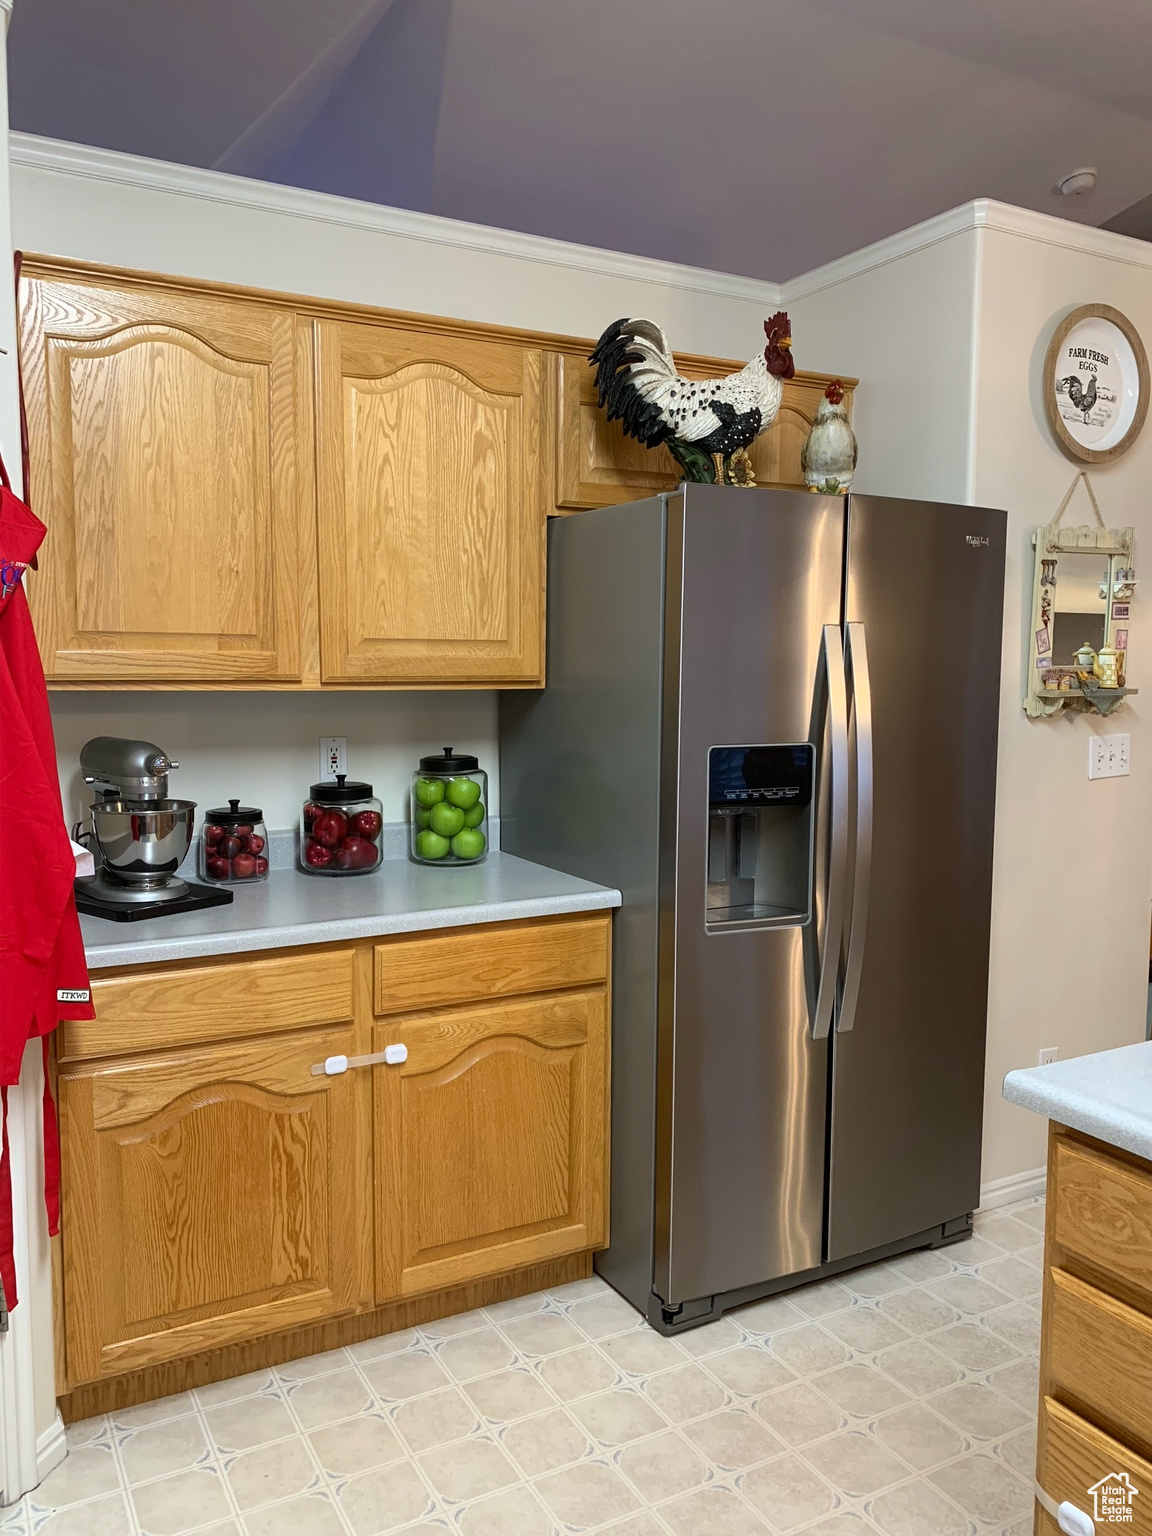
<point x="207" y="1197"/>
<point x="217" y="1190"/>
<point x="1095" y="1413"/>
<point x="489" y="1140"/>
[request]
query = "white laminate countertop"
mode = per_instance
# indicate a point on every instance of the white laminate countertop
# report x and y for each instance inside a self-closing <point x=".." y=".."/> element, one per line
<point x="293" y="908"/>
<point x="1107" y="1095"/>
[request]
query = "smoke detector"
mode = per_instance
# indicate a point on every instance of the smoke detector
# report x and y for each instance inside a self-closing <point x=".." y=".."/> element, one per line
<point x="1076" y="182"/>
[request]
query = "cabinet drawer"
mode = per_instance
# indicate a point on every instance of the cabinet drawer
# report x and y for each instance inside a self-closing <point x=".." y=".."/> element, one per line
<point x="1073" y="1458"/>
<point x="470" y="964"/>
<point x="1102" y="1211"/>
<point x="1099" y="1355"/>
<point x="185" y="1007"/>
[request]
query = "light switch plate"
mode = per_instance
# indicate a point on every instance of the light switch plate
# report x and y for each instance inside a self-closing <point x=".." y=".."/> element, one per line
<point x="1108" y="756"/>
<point x="333" y="756"/>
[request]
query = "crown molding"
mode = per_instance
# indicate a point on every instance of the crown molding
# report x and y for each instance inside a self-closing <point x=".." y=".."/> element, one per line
<point x="983" y="213"/>
<point x="106" y="165"/>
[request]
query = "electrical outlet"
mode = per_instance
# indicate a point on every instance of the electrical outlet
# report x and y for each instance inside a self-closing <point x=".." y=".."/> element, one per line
<point x="1049" y="1054"/>
<point x="1108" y="756"/>
<point x="333" y="756"/>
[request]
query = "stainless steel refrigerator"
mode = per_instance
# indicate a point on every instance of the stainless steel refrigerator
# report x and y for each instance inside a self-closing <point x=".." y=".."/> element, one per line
<point x="770" y="720"/>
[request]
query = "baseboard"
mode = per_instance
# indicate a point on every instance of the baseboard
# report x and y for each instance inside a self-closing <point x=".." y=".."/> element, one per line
<point x="51" y="1448"/>
<point x="1017" y="1186"/>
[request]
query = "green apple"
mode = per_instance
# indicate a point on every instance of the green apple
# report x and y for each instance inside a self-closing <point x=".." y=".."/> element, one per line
<point x="475" y="816"/>
<point x="423" y="816"/>
<point x="468" y="844"/>
<point x="430" y="845"/>
<point x="446" y="819"/>
<point x="429" y="791"/>
<point x="463" y="792"/>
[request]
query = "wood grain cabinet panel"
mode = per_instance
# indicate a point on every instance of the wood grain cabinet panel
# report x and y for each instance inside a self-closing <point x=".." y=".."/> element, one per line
<point x="186" y="1005"/>
<point x="597" y="466"/>
<point x="168" y="444"/>
<point x="1072" y="1456"/>
<point x="1102" y="1212"/>
<point x="431" y="507"/>
<point x="489" y="1140"/>
<point x="1098" y="1358"/>
<point x="208" y="1198"/>
<point x="494" y="960"/>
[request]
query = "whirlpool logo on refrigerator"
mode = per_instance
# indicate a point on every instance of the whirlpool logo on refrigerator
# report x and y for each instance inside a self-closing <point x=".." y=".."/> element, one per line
<point x="977" y="540"/>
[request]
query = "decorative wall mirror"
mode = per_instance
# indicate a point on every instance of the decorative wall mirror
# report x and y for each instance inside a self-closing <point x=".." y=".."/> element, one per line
<point x="1081" y="600"/>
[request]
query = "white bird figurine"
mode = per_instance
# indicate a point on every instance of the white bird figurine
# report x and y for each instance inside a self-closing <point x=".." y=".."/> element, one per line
<point x="707" y="424"/>
<point x="828" y="453"/>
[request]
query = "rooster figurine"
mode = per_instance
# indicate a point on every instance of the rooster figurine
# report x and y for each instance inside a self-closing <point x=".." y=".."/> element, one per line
<point x="706" y="423"/>
<point x="1082" y="399"/>
<point x="828" y="453"/>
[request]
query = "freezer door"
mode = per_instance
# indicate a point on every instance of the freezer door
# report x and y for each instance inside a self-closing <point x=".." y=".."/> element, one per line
<point x="924" y="583"/>
<point x="752" y="578"/>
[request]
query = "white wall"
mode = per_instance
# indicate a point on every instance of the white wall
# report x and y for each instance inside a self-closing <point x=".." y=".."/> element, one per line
<point x="948" y="324"/>
<point x="263" y="749"/>
<point x="101" y="207"/>
<point x="905" y="327"/>
<point x="1073" y="859"/>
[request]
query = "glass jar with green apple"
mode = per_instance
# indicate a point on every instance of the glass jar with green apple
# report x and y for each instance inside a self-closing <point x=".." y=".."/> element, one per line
<point x="449" y="810"/>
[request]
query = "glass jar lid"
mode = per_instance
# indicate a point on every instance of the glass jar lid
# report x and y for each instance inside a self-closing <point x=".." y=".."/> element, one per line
<point x="450" y="762"/>
<point x="234" y="812"/>
<point x="343" y="789"/>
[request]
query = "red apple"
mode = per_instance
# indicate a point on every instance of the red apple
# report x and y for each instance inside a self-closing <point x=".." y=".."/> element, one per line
<point x="244" y="866"/>
<point x="217" y="868"/>
<point x="212" y="834"/>
<point x="231" y="846"/>
<point x="255" y="843"/>
<point x="331" y="828"/>
<point x="243" y="830"/>
<point x="366" y="824"/>
<point x="261" y="866"/>
<point x="311" y="811"/>
<point x="316" y="854"/>
<point x="356" y="853"/>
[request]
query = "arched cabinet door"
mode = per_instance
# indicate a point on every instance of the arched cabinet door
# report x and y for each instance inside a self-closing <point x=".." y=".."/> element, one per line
<point x="431" y="507"/>
<point x="207" y="1199"/>
<point x="490" y="1140"/>
<point x="169" y="438"/>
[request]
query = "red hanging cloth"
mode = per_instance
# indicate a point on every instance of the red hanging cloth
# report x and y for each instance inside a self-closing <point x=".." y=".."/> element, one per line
<point x="43" y="975"/>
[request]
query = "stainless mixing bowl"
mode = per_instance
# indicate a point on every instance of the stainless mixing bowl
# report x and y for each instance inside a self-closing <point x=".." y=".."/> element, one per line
<point x="140" y="844"/>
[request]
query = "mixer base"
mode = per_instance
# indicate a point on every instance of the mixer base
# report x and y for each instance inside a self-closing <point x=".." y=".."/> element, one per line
<point x="99" y="898"/>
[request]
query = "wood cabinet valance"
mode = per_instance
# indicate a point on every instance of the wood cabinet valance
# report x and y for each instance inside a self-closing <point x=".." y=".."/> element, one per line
<point x="256" y="490"/>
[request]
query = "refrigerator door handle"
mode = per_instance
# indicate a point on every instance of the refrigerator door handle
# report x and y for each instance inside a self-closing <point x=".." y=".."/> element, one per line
<point x="831" y="694"/>
<point x="856" y="657"/>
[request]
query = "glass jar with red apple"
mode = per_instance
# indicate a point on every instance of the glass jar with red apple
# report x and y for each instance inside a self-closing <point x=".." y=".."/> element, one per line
<point x="340" y="829"/>
<point x="234" y="845"/>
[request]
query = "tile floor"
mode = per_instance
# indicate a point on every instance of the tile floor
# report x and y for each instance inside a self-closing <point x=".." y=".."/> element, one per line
<point x="898" y="1400"/>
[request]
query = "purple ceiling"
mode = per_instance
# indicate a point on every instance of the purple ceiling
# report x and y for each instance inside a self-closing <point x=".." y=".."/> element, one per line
<point x="753" y="136"/>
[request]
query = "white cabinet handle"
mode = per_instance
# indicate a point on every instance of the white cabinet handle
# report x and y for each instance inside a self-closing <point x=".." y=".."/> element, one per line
<point x="332" y="1066"/>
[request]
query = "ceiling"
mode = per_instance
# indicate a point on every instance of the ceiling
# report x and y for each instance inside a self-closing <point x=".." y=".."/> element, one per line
<point x="762" y="137"/>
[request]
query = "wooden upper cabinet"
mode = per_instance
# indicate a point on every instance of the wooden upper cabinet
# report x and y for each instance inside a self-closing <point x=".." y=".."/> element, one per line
<point x="208" y="1198"/>
<point x="597" y="466"/>
<point x="170" y="462"/>
<point x="431" y="507"/>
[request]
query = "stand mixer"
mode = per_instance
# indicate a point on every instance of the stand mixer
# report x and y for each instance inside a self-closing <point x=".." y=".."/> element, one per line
<point x="138" y="834"/>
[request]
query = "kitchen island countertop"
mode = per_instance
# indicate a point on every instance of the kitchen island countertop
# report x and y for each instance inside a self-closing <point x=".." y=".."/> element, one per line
<point x="291" y="908"/>
<point x="1107" y="1095"/>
